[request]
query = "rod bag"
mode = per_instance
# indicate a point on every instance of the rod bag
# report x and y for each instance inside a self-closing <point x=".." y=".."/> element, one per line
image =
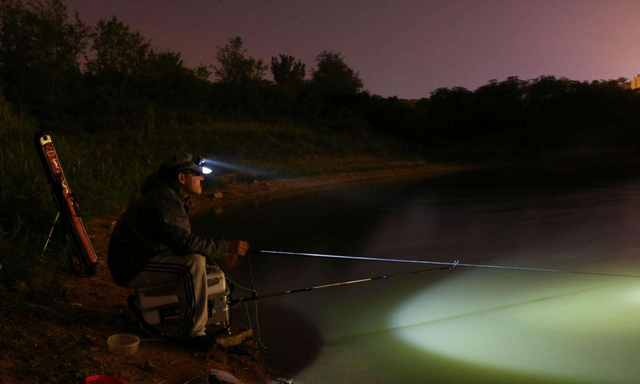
<point x="67" y="204"/>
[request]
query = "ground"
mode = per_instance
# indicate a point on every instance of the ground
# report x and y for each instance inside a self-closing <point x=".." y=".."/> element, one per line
<point x="64" y="339"/>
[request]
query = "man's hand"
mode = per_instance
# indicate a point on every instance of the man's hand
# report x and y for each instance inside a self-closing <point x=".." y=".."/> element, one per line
<point x="235" y="249"/>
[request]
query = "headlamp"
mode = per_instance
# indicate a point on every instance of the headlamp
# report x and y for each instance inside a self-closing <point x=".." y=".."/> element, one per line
<point x="200" y="160"/>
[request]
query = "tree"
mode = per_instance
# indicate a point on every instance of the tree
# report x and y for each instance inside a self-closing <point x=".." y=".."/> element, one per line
<point x="499" y="105"/>
<point x="163" y="64"/>
<point x="234" y="66"/>
<point x="451" y="114"/>
<point x="117" y="50"/>
<point x="287" y="72"/>
<point x="202" y="72"/>
<point x="171" y="85"/>
<point x="333" y="75"/>
<point x="39" y="49"/>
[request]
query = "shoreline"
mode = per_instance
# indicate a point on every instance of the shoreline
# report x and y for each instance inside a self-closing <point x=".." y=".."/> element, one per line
<point x="243" y="191"/>
<point x="244" y="188"/>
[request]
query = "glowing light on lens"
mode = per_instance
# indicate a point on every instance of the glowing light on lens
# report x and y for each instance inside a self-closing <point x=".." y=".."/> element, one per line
<point x="206" y="171"/>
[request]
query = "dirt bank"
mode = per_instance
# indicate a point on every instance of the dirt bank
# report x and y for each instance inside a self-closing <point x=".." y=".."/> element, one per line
<point x="63" y="340"/>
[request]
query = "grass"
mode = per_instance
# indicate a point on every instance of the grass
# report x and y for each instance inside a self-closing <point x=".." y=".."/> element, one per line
<point x="106" y="170"/>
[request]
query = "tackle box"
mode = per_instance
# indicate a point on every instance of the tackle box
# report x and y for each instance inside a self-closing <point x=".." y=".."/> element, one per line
<point x="159" y="306"/>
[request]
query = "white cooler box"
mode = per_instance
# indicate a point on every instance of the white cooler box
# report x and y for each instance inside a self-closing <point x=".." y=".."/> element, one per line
<point x="159" y="305"/>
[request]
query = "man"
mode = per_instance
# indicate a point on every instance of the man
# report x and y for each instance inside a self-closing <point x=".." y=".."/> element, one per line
<point x="152" y="244"/>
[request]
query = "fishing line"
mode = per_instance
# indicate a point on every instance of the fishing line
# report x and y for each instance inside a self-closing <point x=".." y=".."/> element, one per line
<point x="254" y="294"/>
<point x="237" y="303"/>
<point x="454" y="264"/>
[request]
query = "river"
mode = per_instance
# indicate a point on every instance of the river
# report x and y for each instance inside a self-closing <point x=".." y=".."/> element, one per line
<point x="463" y="325"/>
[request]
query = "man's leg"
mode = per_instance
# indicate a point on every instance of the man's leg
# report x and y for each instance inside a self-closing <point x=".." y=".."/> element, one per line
<point x="189" y="273"/>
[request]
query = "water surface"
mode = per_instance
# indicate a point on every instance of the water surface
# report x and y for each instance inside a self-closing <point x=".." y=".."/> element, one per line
<point x="461" y="325"/>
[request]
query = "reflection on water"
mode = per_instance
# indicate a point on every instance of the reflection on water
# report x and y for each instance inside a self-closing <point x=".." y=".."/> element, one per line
<point x="460" y="325"/>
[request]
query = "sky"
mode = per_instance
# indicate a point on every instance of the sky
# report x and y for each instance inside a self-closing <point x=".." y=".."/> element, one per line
<point x="400" y="48"/>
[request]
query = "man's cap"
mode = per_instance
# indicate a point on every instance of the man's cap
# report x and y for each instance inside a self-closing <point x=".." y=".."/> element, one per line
<point x="182" y="162"/>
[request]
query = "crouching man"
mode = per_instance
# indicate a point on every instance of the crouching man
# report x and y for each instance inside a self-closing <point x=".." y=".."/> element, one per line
<point x="152" y="244"/>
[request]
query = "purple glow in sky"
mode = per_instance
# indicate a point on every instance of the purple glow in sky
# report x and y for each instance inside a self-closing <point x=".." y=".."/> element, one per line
<point x="400" y="48"/>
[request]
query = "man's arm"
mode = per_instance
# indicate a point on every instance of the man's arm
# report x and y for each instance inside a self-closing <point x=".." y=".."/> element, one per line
<point x="175" y="230"/>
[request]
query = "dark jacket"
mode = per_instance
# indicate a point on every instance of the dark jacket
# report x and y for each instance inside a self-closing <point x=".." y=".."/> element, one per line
<point x="156" y="223"/>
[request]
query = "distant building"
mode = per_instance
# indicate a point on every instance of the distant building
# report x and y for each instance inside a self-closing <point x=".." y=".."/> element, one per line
<point x="635" y="83"/>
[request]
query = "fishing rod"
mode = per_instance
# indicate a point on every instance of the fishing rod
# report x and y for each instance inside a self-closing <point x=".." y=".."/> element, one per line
<point x="308" y="289"/>
<point x="454" y="264"/>
<point x="444" y="265"/>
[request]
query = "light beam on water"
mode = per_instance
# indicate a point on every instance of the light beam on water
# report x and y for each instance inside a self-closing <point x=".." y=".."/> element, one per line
<point x="573" y="328"/>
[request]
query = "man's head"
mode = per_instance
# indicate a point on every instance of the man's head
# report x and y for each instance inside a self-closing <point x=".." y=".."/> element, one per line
<point x="185" y="170"/>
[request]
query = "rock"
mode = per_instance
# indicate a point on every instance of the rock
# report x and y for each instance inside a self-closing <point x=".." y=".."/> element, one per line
<point x="113" y="224"/>
<point x="219" y="211"/>
<point x="217" y="195"/>
<point x="0" y="265"/>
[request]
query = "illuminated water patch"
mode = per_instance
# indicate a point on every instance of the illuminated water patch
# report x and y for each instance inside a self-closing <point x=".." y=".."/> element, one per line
<point x="560" y="327"/>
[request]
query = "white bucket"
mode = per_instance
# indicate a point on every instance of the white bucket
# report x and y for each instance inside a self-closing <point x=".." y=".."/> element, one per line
<point x="123" y="344"/>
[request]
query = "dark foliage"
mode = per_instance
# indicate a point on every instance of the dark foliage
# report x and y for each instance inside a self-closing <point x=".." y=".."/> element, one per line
<point x="524" y="118"/>
<point x="126" y="84"/>
<point x="39" y="50"/>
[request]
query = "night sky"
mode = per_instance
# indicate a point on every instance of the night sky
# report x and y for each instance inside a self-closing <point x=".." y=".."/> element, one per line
<point x="400" y="48"/>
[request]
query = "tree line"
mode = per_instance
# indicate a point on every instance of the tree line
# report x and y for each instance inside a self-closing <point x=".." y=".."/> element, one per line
<point x="107" y="77"/>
